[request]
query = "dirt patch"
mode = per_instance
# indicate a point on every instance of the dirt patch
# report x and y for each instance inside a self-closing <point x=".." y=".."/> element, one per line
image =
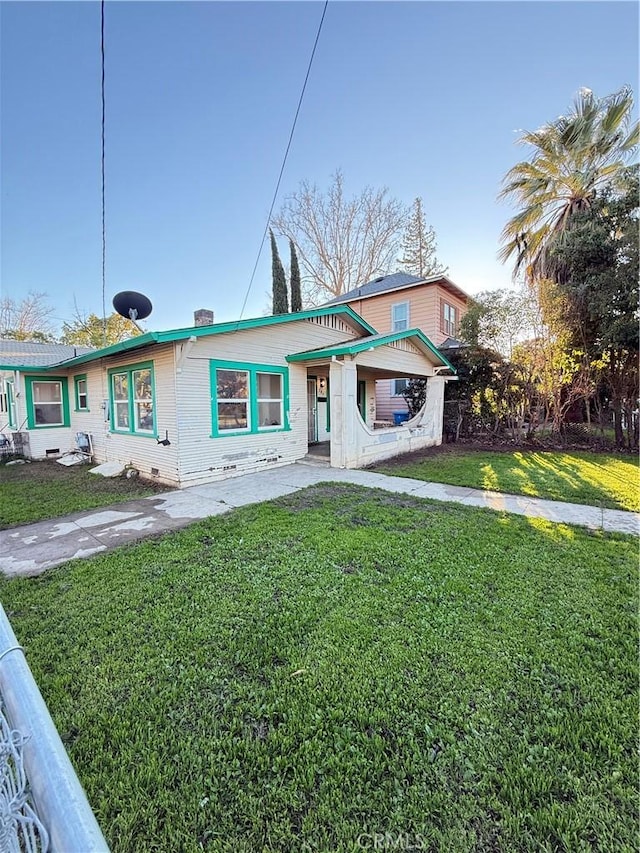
<point x="49" y="473"/>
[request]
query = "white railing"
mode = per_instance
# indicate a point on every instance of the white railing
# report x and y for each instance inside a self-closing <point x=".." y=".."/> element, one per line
<point x="42" y="804"/>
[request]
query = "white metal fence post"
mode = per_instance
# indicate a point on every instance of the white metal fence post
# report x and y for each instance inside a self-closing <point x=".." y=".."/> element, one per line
<point x="57" y="796"/>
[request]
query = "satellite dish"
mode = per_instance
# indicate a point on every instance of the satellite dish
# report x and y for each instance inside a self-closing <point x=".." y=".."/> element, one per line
<point x="134" y="306"/>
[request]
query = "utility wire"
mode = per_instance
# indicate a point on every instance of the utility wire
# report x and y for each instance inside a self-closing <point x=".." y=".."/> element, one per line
<point x="104" y="232"/>
<point x="284" y="160"/>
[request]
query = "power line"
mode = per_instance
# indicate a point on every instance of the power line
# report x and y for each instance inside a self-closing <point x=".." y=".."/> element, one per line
<point x="104" y="232"/>
<point x="284" y="160"/>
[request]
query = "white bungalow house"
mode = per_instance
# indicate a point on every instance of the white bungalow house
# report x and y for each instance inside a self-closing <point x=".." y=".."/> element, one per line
<point x="194" y="405"/>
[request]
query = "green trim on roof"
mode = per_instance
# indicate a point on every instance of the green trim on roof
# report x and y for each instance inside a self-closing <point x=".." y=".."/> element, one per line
<point x="238" y="325"/>
<point x="199" y="332"/>
<point x="363" y="345"/>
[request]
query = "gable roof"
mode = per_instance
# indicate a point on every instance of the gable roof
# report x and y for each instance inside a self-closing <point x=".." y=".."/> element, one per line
<point x="372" y="342"/>
<point x="171" y="335"/>
<point x="35" y="354"/>
<point x="397" y="281"/>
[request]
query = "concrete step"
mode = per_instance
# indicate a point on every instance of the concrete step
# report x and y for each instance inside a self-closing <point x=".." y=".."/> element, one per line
<point x="315" y="461"/>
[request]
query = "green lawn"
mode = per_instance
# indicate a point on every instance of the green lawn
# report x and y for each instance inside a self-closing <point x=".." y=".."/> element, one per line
<point x="599" y="479"/>
<point x="40" y="490"/>
<point x="302" y="674"/>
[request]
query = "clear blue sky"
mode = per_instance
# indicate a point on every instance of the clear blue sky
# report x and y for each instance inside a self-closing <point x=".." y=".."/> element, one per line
<point x="424" y="98"/>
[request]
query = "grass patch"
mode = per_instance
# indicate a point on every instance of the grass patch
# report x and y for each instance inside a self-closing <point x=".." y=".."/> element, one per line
<point x="302" y="674"/>
<point x="598" y="479"/>
<point x="38" y="490"/>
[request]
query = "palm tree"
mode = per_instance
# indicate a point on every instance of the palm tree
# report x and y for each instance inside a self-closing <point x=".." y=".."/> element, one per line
<point x="574" y="158"/>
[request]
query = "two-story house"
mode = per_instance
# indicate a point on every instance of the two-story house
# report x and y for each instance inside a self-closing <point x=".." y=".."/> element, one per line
<point x="393" y="303"/>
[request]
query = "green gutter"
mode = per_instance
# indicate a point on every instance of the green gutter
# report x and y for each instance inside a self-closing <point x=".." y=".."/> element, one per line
<point x="362" y="346"/>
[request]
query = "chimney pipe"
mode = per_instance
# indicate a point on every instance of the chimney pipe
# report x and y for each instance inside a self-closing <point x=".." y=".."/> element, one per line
<point x="203" y="317"/>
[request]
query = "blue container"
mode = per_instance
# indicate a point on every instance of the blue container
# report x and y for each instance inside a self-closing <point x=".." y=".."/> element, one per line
<point x="400" y="417"/>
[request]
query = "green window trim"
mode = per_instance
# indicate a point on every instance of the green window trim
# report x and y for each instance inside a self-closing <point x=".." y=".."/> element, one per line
<point x="252" y="370"/>
<point x="11" y="404"/>
<point x="128" y="370"/>
<point x="77" y="393"/>
<point x="29" y="382"/>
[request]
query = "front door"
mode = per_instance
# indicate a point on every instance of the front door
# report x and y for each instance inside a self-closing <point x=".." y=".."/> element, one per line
<point x="312" y="409"/>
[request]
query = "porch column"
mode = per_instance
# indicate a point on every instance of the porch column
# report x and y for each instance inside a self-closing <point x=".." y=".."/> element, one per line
<point x="343" y="389"/>
<point x="434" y="408"/>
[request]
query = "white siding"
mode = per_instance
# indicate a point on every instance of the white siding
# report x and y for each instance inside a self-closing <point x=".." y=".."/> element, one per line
<point x="139" y="451"/>
<point x="45" y="441"/>
<point x="401" y="363"/>
<point x="203" y="458"/>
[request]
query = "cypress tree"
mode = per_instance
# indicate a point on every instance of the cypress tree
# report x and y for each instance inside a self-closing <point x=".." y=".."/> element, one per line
<point x="296" y="290"/>
<point x="279" y="282"/>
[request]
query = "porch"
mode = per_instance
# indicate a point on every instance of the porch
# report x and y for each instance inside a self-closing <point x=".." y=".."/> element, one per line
<point x="342" y="418"/>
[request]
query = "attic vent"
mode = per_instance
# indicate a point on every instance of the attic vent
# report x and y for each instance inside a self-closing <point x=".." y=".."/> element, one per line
<point x="380" y="278"/>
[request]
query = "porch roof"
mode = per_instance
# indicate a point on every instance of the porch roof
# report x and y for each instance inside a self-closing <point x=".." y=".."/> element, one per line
<point x="418" y="338"/>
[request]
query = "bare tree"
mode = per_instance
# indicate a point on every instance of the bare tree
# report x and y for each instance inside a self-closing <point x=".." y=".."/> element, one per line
<point x="341" y="242"/>
<point x="26" y="319"/>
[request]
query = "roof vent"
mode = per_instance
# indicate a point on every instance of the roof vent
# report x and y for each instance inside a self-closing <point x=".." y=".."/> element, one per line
<point x="380" y="278"/>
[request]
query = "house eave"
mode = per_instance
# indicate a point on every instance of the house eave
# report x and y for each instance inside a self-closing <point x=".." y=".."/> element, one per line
<point x="361" y="345"/>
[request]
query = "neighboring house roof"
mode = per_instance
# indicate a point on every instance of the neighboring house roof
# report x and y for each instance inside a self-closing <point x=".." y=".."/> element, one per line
<point x="372" y="342"/>
<point x="29" y="353"/>
<point x="150" y="338"/>
<point x="452" y="343"/>
<point x="397" y="281"/>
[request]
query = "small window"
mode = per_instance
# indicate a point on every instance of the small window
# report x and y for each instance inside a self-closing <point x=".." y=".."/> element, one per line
<point x="81" y="394"/>
<point x="400" y="317"/>
<point x="448" y="319"/>
<point x="398" y="386"/>
<point x="132" y="399"/>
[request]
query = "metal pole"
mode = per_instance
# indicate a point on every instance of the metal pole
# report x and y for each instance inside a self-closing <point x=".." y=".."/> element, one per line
<point x="58" y="798"/>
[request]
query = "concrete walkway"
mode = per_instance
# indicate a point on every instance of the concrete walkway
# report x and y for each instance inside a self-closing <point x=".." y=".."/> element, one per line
<point x="32" y="549"/>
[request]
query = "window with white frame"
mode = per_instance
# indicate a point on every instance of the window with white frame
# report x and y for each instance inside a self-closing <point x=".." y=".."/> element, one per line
<point x="400" y="317"/>
<point x="270" y="400"/>
<point x="132" y="395"/>
<point x="47" y="401"/>
<point x="232" y="390"/>
<point x="448" y="319"/>
<point x="248" y="398"/>
<point x="398" y="386"/>
<point x="81" y="393"/>
<point x="11" y="404"/>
